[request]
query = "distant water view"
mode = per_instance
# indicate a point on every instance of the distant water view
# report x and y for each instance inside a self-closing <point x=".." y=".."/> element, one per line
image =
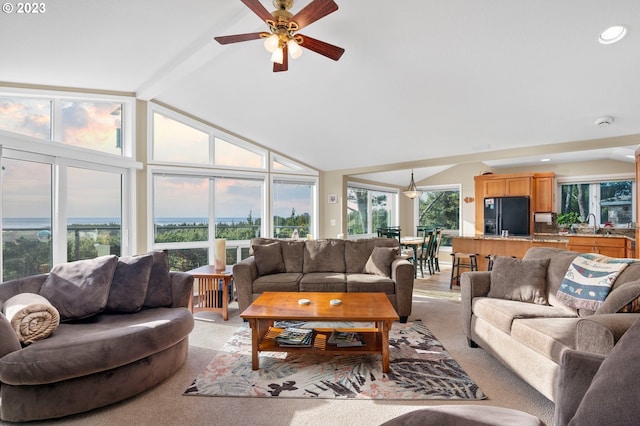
<point x="38" y="223"/>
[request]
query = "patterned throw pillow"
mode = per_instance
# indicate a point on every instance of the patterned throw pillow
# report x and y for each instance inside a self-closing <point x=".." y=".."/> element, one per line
<point x="588" y="280"/>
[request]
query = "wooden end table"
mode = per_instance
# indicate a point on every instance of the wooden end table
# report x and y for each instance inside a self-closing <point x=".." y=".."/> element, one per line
<point x="210" y="296"/>
<point x="355" y="307"/>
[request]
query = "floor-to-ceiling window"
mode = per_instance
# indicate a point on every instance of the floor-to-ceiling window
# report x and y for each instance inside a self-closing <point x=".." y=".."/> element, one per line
<point x="209" y="185"/>
<point x="67" y="174"/>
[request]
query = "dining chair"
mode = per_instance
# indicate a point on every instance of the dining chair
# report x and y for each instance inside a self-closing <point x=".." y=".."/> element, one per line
<point x="435" y="255"/>
<point x="425" y="252"/>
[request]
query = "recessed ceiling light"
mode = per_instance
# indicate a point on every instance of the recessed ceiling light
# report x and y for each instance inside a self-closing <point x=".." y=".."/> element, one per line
<point x="613" y="34"/>
<point x="544" y="160"/>
<point x="630" y="156"/>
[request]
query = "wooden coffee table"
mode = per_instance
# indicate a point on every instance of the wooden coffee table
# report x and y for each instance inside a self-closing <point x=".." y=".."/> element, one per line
<point x="355" y="307"/>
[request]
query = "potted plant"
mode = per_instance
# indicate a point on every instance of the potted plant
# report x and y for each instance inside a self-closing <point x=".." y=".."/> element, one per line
<point x="565" y="220"/>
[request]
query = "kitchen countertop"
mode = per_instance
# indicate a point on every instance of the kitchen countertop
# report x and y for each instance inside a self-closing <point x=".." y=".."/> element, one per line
<point x="542" y="237"/>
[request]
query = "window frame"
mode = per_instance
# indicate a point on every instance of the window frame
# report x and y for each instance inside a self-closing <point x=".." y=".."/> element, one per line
<point x="441" y="188"/>
<point x="594" y="182"/>
<point x="302" y="179"/>
<point x="395" y="211"/>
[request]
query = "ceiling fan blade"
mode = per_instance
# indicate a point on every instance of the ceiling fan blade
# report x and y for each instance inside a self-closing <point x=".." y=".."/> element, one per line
<point x="325" y="49"/>
<point x="313" y="11"/>
<point x="284" y="66"/>
<point x="258" y="9"/>
<point x="237" y="38"/>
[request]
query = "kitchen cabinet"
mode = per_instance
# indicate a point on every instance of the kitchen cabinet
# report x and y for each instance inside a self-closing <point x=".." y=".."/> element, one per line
<point x="539" y="187"/>
<point x="543" y="192"/>
<point x="606" y="246"/>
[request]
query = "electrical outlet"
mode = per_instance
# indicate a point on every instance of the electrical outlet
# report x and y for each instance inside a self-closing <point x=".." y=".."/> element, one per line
<point x="333" y="222"/>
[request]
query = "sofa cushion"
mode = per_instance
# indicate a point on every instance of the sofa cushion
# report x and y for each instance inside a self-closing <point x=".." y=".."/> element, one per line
<point x="356" y="254"/>
<point x="588" y="281"/>
<point x="268" y="258"/>
<point x="547" y="336"/>
<point x="612" y="397"/>
<point x="560" y="261"/>
<point x="518" y="279"/>
<point x="80" y="289"/>
<point x="293" y="255"/>
<point x="324" y="256"/>
<point x="130" y="283"/>
<point x="625" y="298"/>
<point x="159" y="288"/>
<point x="501" y="312"/>
<point x="288" y="281"/>
<point x="369" y="283"/>
<point x="324" y="281"/>
<point x="100" y="343"/>
<point x="380" y="261"/>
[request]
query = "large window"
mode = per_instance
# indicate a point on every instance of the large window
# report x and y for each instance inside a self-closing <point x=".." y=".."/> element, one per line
<point x="222" y="187"/>
<point x="293" y="207"/>
<point x="611" y="202"/>
<point x="440" y="208"/>
<point x="67" y="174"/>
<point x="370" y="208"/>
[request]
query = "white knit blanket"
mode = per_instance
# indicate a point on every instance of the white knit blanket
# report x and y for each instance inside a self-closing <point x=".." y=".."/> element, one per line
<point x="31" y="316"/>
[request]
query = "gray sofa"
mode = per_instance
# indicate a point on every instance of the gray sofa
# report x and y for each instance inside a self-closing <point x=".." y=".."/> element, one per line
<point x="124" y="327"/>
<point x="515" y="313"/>
<point x="334" y="265"/>
<point x="593" y="390"/>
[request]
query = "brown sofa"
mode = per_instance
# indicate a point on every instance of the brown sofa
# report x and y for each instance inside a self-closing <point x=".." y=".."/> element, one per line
<point x="334" y="265"/>
<point x="527" y="327"/>
<point x="124" y="328"/>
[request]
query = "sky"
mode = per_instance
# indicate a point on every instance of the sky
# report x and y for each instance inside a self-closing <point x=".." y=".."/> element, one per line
<point x="93" y="125"/>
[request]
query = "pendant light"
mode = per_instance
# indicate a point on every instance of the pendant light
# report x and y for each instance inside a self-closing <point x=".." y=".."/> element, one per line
<point x="412" y="191"/>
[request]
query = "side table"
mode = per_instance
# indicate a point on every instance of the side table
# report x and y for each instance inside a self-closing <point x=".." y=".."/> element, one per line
<point x="212" y="290"/>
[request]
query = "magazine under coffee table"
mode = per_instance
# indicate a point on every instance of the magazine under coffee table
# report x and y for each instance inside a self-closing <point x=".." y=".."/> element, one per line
<point x="355" y="307"/>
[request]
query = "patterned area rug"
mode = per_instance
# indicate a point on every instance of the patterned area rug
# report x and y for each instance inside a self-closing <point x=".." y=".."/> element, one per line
<point x="420" y="368"/>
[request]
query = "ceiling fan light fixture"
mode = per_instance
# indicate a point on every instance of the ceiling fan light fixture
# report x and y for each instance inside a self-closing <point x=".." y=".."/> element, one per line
<point x="294" y="48"/>
<point x="277" y="56"/>
<point x="271" y="43"/>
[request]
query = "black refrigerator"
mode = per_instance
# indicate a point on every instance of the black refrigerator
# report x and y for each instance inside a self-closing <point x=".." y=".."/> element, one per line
<point x="506" y="213"/>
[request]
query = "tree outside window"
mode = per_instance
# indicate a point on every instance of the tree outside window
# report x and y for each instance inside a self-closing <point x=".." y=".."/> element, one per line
<point x="440" y="209"/>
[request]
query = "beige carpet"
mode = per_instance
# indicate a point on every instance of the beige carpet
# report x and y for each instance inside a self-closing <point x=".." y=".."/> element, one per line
<point x="165" y="404"/>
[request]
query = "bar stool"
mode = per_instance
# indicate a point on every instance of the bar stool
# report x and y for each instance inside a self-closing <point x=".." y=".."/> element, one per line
<point x="490" y="258"/>
<point x="462" y="260"/>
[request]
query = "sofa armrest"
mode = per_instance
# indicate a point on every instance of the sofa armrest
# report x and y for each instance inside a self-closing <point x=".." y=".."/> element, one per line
<point x="29" y="284"/>
<point x="181" y="289"/>
<point x="577" y="370"/>
<point x="245" y="273"/>
<point x="598" y="334"/>
<point x="402" y="273"/>
<point x="472" y="284"/>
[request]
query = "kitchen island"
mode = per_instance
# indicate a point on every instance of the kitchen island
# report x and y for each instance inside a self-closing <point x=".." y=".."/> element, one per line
<point x="485" y="245"/>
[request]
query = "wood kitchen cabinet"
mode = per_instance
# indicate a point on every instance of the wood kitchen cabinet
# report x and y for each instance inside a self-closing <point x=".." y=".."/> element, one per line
<point x="544" y="192"/>
<point x="606" y="246"/>
<point x="539" y="187"/>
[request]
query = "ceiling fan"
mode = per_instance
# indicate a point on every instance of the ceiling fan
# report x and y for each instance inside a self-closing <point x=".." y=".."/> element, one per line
<point x="282" y="39"/>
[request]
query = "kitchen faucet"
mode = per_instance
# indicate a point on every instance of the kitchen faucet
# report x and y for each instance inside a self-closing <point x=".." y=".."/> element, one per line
<point x="594" y="221"/>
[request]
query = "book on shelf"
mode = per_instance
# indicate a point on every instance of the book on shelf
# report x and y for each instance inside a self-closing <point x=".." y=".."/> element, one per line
<point x="295" y="338"/>
<point x="345" y="339"/>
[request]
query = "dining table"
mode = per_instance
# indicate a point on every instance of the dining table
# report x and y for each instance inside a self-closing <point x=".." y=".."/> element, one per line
<point x="414" y="243"/>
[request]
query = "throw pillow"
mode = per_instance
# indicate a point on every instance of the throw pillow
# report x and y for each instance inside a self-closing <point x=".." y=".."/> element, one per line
<point x="612" y="397"/>
<point x="130" y="283"/>
<point x="519" y="279"/>
<point x="159" y="288"/>
<point x="268" y="258"/>
<point x="80" y="289"/>
<point x="380" y="261"/>
<point x="588" y="280"/>
<point x="623" y="299"/>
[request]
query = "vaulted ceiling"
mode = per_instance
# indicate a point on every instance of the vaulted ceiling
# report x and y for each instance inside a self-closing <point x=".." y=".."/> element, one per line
<point x="420" y="79"/>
